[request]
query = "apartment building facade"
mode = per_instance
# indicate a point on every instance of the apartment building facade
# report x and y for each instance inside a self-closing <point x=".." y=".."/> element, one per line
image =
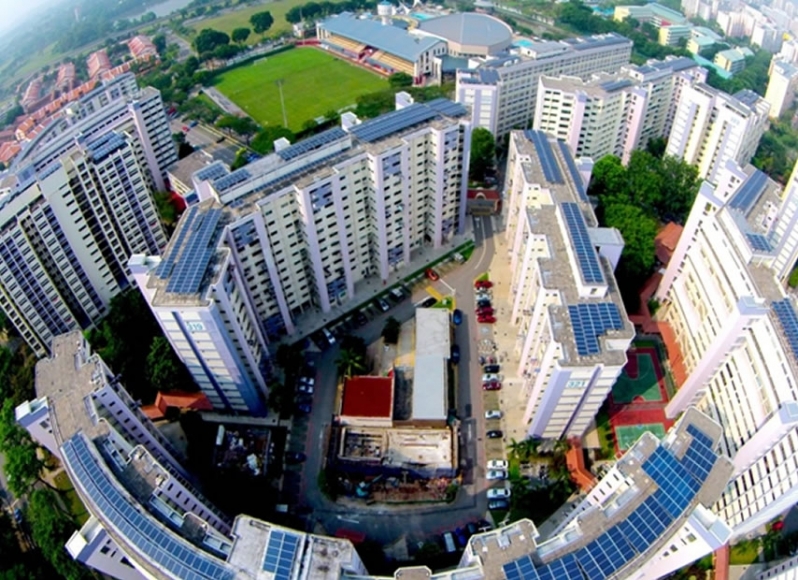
<point x="723" y="296"/>
<point x="782" y="83"/>
<point x="614" y="114"/>
<point x="301" y="232"/>
<point x="572" y="326"/>
<point x="501" y="92"/>
<point x="712" y="127"/>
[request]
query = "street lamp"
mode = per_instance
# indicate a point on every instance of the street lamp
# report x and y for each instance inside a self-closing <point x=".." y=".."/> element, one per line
<point x="279" y="84"/>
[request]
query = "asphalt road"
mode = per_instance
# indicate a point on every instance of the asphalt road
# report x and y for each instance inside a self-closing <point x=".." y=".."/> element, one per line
<point x="381" y="524"/>
<point x="201" y="137"/>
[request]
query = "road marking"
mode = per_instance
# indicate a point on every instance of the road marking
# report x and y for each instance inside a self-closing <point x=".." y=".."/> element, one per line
<point x="350" y="520"/>
<point x="453" y="291"/>
<point x="484" y="249"/>
<point x="434" y="293"/>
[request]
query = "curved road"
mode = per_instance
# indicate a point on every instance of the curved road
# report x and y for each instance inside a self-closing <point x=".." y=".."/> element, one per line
<point x="387" y="524"/>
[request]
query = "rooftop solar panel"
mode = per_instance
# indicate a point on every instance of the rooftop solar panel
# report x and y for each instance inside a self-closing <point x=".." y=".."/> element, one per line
<point x="281" y="552"/>
<point x="785" y="312"/>
<point x="610" y="86"/>
<point x="749" y="192"/>
<point x="548" y="162"/>
<point x="196" y="254"/>
<point x="576" y="177"/>
<point x="312" y="143"/>
<point x="143" y="533"/>
<point x="164" y="269"/>
<point x="393" y="122"/>
<point x="759" y="243"/>
<point x="106" y="145"/>
<point x="586" y="255"/>
<point x="224" y="183"/>
<point x="212" y="172"/>
<point x="447" y="107"/>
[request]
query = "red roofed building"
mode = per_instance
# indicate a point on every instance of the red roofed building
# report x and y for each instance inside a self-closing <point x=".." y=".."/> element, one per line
<point x="66" y="77"/>
<point x="141" y="47"/>
<point x="575" y="460"/>
<point x="367" y="401"/>
<point x="32" y="95"/>
<point x="8" y="151"/>
<point x="666" y="241"/>
<point x="98" y="63"/>
<point x="179" y="400"/>
<point x="483" y="201"/>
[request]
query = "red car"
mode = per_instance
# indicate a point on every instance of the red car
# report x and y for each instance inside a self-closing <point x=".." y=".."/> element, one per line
<point x="486" y="319"/>
<point x="483" y="284"/>
<point x="432" y="274"/>
<point x="492" y="386"/>
<point x="485" y="311"/>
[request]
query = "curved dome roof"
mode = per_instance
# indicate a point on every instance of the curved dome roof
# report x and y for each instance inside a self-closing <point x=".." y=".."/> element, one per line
<point x="469" y="28"/>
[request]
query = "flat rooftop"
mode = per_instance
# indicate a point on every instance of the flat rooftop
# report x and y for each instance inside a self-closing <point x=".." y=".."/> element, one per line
<point x="368" y="397"/>
<point x="433" y="348"/>
<point x="398" y="447"/>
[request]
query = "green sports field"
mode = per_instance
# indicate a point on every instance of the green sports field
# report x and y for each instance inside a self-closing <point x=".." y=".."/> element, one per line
<point x="314" y="83"/>
<point x="628" y="434"/>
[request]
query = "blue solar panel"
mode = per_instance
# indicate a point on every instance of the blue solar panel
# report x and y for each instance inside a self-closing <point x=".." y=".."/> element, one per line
<point x="611" y="86"/>
<point x="586" y="255"/>
<point x="576" y="177"/>
<point x="281" y="551"/>
<point x="789" y="322"/>
<point x="546" y="155"/>
<point x="393" y="122"/>
<point x="758" y="242"/>
<point x="164" y="269"/>
<point x="700" y="457"/>
<point x="312" y="143"/>
<point x="106" y="145"/>
<point x="196" y="254"/>
<point x="212" y="172"/>
<point x="224" y="183"/>
<point x="447" y="107"/>
<point x="749" y="192"/>
<point x="161" y="546"/>
<point x="589" y="321"/>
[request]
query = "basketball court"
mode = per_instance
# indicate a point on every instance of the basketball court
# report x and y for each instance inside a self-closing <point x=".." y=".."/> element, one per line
<point x="627" y="435"/>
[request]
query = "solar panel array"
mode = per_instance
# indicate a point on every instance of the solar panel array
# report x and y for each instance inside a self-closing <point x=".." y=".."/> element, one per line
<point x="105" y="146"/>
<point x="231" y="180"/>
<point x="212" y="172"/>
<point x="758" y="242"/>
<point x="677" y="484"/>
<point x="447" y="107"/>
<point x="546" y="155"/>
<point x="281" y="551"/>
<point x="390" y="123"/>
<point x="579" y="184"/>
<point x="161" y="547"/>
<point x="789" y="322"/>
<point x="749" y="192"/>
<point x="311" y="143"/>
<point x="590" y="321"/>
<point x="189" y="270"/>
<point x="164" y="269"/>
<point x="586" y="255"/>
<point x="610" y="86"/>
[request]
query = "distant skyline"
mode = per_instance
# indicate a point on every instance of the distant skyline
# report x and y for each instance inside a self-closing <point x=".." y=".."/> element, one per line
<point x="12" y="14"/>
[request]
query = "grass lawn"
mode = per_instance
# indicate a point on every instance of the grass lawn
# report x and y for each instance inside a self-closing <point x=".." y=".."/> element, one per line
<point x="314" y="83"/>
<point x="240" y="19"/>
<point x="744" y="553"/>
<point x="71" y="499"/>
<point x="604" y="429"/>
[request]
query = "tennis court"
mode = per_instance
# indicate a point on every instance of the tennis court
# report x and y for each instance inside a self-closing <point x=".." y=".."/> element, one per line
<point x="638" y="379"/>
<point x="626" y="435"/>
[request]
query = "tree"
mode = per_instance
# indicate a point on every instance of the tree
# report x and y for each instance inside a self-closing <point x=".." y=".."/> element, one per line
<point x="350" y="362"/>
<point x="159" y="40"/>
<point x="390" y="331"/>
<point x="638" y="230"/>
<point x="263" y="142"/>
<point x="50" y="529"/>
<point x="12" y="114"/>
<point x="261" y="21"/>
<point x="656" y="146"/>
<point x="400" y="80"/>
<point x="23" y="468"/>
<point x="608" y="182"/>
<point x="374" y="104"/>
<point x="240" y="35"/>
<point x="208" y="40"/>
<point x="164" y="369"/>
<point x="243" y="126"/>
<point x="483" y="153"/>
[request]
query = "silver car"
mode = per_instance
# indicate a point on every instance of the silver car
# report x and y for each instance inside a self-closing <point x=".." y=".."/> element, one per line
<point x="496" y="474"/>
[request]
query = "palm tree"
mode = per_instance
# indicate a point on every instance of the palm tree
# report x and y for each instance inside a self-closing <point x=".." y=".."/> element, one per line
<point x="350" y="362"/>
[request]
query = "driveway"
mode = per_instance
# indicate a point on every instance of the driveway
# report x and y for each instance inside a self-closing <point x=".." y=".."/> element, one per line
<point x="382" y="524"/>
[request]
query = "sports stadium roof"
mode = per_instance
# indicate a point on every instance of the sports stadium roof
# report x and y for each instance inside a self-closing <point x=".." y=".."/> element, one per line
<point x="469" y="28"/>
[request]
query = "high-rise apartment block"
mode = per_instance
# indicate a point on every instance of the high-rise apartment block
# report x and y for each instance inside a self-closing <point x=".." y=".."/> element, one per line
<point x="782" y="85"/>
<point x="712" y="127"/>
<point x="572" y="327"/>
<point x="303" y="230"/>
<point x="502" y="91"/>
<point x="647" y="516"/>
<point x="614" y="114"/>
<point x="79" y="204"/>
<point x="736" y="332"/>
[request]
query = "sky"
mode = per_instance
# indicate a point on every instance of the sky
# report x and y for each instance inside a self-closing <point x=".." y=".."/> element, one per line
<point x="12" y="12"/>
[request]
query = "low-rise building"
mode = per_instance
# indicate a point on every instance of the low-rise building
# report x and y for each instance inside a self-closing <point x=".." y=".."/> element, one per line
<point x="367" y="401"/>
<point x="733" y="59"/>
<point x="431" y="371"/>
<point x="98" y="63"/>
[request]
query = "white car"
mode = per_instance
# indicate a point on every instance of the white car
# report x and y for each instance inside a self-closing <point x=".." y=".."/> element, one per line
<point x="498" y="493"/>
<point x="496" y="474"/>
<point x="310" y="381"/>
<point x="497" y="464"/>
<point x="493" y="414"/>
<point x="487" y="377"/>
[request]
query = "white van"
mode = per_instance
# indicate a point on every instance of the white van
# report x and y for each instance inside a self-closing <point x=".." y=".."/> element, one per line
<point x="448" y="541"/>
<point x="329" y="336"/>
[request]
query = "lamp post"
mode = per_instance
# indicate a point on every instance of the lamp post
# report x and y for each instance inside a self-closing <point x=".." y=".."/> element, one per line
<point x="279" y="84"/>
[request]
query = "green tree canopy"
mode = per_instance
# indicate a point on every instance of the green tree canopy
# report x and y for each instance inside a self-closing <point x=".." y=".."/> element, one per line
<point x="159" y="40"/>
<point x="50" y="529"/>
<point x="638" y="230"/>
<point x="208" y="40"/>
<point x="164" y="370"/>
<point x="23" y="468"/>
<point x="483" y="153"/>
<point x="240" y="35"/>
<point x="400" y="80"/>
<point x="261" y="21"/>
<point x="263" y="142"/>
<point x="243" y="126"/>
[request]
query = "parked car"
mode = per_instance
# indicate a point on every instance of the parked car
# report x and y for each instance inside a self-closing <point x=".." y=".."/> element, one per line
<point x="427" y="302"/>
<point x="360" y="318"/>
<point x="328" y="335"/>
<point x="497" y="464"/>
<point x="493" y="414"/>
<point x="304" y="407"/>
<point x="307" y="380"/>
<point x="498" y="504"/>
<point x="431" y="274"/>
<point x="457" y="316"/>
<point x="18" y="515"/>
<point x="455" y="358"/>
<point x="483" y="303"/>
<point x="498" y="493"/>
<point x="397" y="293"/>
<point x="472" y="528"/>
<point x="491" y="368"/>
<point x="294" y="457"/>
<point x="487" y="377"/>
<point x="462" y="538"/>
<point x="305" y="389"/>
<point x="486" y="319"/>
<point x="484" y="311"/>
<point x="494" y="434"/>
<point x="448" y="542"/>
<point x="496" y="474"/>
<point x="483" y="284"/>
<point x="492" y="386"/>
<point x="383" y="304"/>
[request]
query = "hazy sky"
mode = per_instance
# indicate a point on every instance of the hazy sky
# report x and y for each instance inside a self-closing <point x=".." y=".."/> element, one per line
<point x="12" y="12"/>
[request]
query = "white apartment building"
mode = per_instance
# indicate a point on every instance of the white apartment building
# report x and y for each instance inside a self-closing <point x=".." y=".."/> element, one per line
<point x="501" y="91"/>
<point x="146" y="521"/>
<point x="767" y="36"/>
<point x="298" y="233"/>
<point x="67" y="232"/>
<point x="782" y="85"/>
<point x="614" y="114"/>
<point x="736" y="327"/>
<point x="573" y="331"/>
<point x="712" y="127"/>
